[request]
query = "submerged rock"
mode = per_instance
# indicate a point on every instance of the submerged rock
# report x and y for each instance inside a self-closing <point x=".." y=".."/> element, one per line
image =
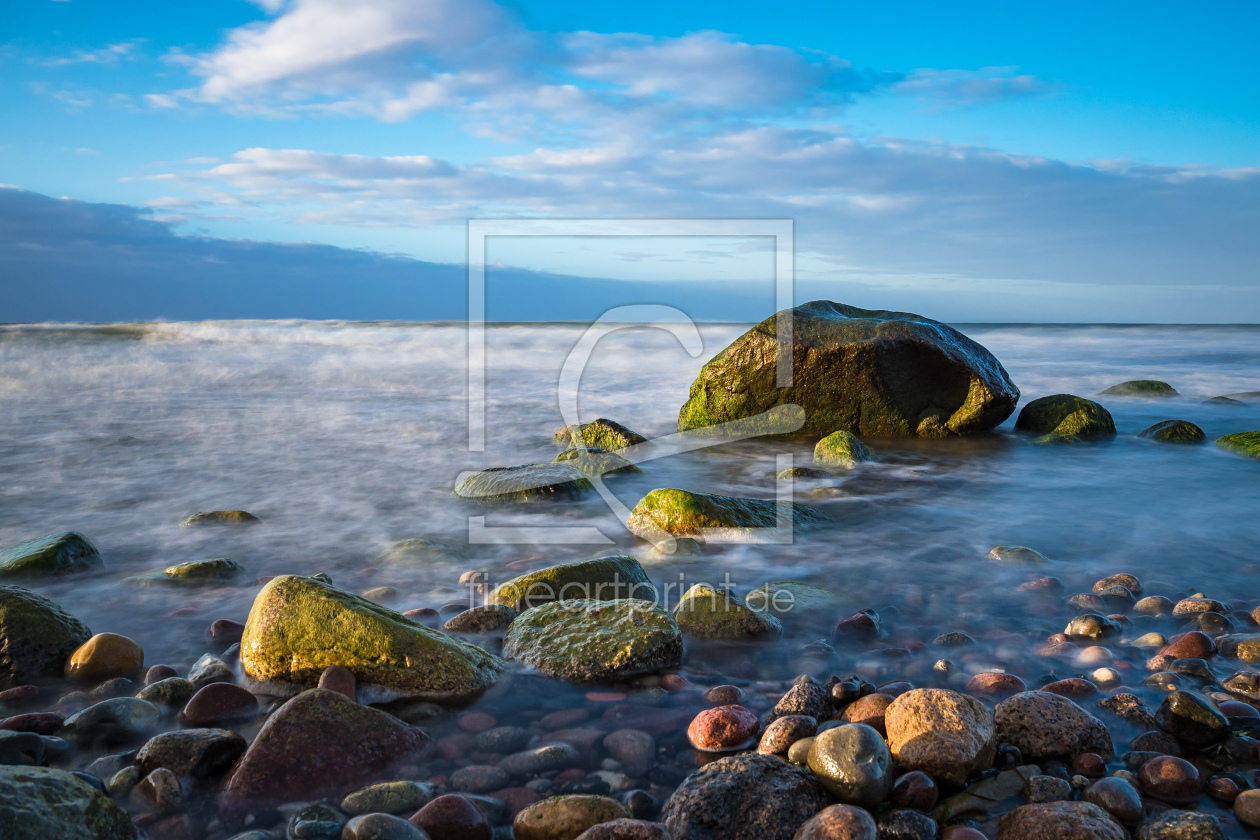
<point x="490" y="618"/>
<point x="603" y="433"/>
<point x="842" y="449"/>
<point x="869" y="372"/>
<point x="220" y="517"/>
<point x="1140" y="388"/>
<point x="40" y="803"/>
<point x="37" y="637"/>
<point x="717" y="614"/>
<point x="299" y="626"/>
<point x="592" y="462"/>
<point x="1017" y="554"/>
<point x="523" y="483"/>
<point x="801" y="472"/>
<point x="1065" y="414"/>
<point x="420" y="552"/>
<point x="1242" y="443"/>
<point x="1174" y="431"/>
<point x="600" y="579"/>
<point x="586" y="641"/>
<point x="745" y="797"/>
<point x="55" y="554"/>
<point x="681" y="513"/>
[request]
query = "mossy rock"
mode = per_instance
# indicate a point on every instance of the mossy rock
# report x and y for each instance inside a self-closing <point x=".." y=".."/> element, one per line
<point x="1058" y="440"/>
<point x="524" y="483"/>
<point x="1017" y="555"/>
<point x="1065" y="414"/>
<point x="870" y="372"/>
<point x="720" y="615"/>
<point x="56" y="554"/>
<point x="420" y="552"/>
<point x="592" y="461"/>
<point x="1140" y="388"/>
<point x="36" y="637"/>
<point x="595" y="641"/>
<point x="681" y="513"/>
<point x="1230" y="401"/>
<point x="842" y="449"/>
<point x="1174" y="431"/>
<point x="1242" y="443"/>
<point x="597" y="579"/>
<point x="603" y="434"/>
<point x="220" y="517"/>
<point x="674" y="549"/>
<point x="41" y="803"/>
<point x="192" y="573"/>
<point x="801" y="472"/>
<point x="299" y="626"/>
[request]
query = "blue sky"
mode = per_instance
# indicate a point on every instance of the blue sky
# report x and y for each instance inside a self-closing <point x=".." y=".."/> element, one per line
<point x="1080" y="162"/>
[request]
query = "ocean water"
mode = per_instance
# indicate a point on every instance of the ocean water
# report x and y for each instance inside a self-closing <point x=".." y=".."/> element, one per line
<point x="347" y="437"/>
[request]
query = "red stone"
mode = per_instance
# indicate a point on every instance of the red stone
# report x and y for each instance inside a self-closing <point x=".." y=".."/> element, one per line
<point x="895" y="688"/>
<point x="19" y="695"/>
<point x="1170" y="779"/>
<point x="722" y="728"/>
<point x="1192" y="645"/>
<point x="1090" y="764"/>
<point x="573" y="774"/>
<point x="1223" y="788"/>
<point x="476" y="722"/>
<point x="452" y="817"/>
<point x="995" y="685"/>
<point x="869" y="710"/>
<point x="517" y="799"/>
<point x="860" y="625"/>
<point x="41" y="723"/>
<point x="218" y="703"/>
<point x="674" y="682"/>
<point x="1073" y="688"/>
<point x="340" y="680"/>
<point x="916" y="790"/>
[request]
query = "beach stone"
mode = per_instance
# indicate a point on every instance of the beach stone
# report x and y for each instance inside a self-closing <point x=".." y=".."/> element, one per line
<point x="1170" y="779"/>
<point x="527" y="482"/>
<point x="63" y="553"/>
<point x="839" y="822"/>
<point x="783" y="732"/>
<point x="41" y="803"/>
<point x="479" y="778"/>
<point x="722" y="728"/>
<point x="193" y="753"/>
<point x="1129" y="582"/>
<point x="635" y="749"/>
<point x="626" y="830"/>
<point x="682" y="513"/>
<point x="1140" y="388"/>
<point x="1117" y="797"/>
<point x="22" y="748"/>
<point x="1191" y="606"/>
<point x="1241" y="443"/>
<point x="601" y="433"/>
<point x="914" y="790"/>
<point x="1173" y="431"/>
<point x="541" y="759"/>
<point x="381" y="827"/>
<point x="1093" y="626"/>
<point x="1065" y="414"/>
<point x="157" y="673"/>
<point x="719" y="615"/>
<point x="586" y="641"/>
<point x="943" y="733"/>
<point x="299" y="626"/>
<point x="41" y="723"/>
<point x="610" y="578"/>
<point x="489" y="618"/>
<point x="220" y="517"/>
<point x="1192" y="719"/>
<point x="224" y="632"/>
<point x="853" y="763"/>
<point x="1060" y="821"/>
<point x="1047" y="789"/>
<point x="876" y="373"/>
<point x="798" y="753"/>
<point x="116" y="721"/>
<point x="805" y="697"/>
<point x="1191" y="645"/>
<point x="37" y="637"/>
<point x="1017" y="555"/>
<point x="995" y="685"/>
<point x="1074" y="688"/>
<point x="209" y="669"/>
<point x="338" y="679"/>
<point x="593" y="461"/>
<point x="744" y="797"/>
<point x="159" y="792"/>
<point x="1043" y="725"/>
<point x="203" y="571"/>
<point x="565" y="817"/>
<point x="904" y="825"/>
<point x="864" y="624"/>
<point x="842" y="449"/>
<point x="1244" y="646"/>
<point x="104" y="657"/>
<point x="1245" y="684"/>
<point x="452" y="816"/>
<point x="870" y="709"/>
<point x="172" y="692"/>
<point x="724" y="695"/>
<point x="503" y="739"/>
<point x="317" y="744"/>
<point x="1154" y="605"/>
<point x="401" y="797"/>
<point x="1181" y="825"/>
<point x="1247" y="807"/>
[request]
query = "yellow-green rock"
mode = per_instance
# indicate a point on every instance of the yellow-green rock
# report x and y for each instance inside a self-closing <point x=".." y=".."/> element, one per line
<point x="681" y="513"/>
<point x="599" y="579"/>
<point x="1140" y="388"/>
<point x="601" y="434"/>
<point x="1242" y="443"/>
<point x="1065" y="414"/>
<point x="592" y="461"/>
<point x="842" y="449"/>
<point x="299" y="626"/>
<point x="36" y="637"/>
<point x="565" y="817"/>
<point x="524" y="483"/>
<point x="41" y="803"/>
<point x="55" y="554"/>
<point x="719" y="615"/>
<point x="1174" y="431"/>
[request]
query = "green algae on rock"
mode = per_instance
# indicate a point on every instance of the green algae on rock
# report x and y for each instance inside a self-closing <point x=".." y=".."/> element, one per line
<point x="870" y="372"/>
<point x="56" y="554"/>
<point x="599" y="434"/>
<point x="801" y="472"/>
<point x="192" y="573"/>
<point x="719" y="615"/>
<point x="1174" y="431"/>
<point x="593" y="461"/>
<point x="591" y="641"/>
<point x="37" y="637"/>
<point x="842" y="449"/>
<point x="1058" y="440"/>
<point x="1065" y="414"/>
<point x="1242" y="443"/>
<point x="524" y="483"/>
<point x="1140" y="388"/>
<point x="41" y="803"/>
<point x="681" y="513"/>
<point x="220" y="517"/>
<point x="1017" y="555"/>
<point x="419" y="551"/>
<point x="599" y="579"/>
<point x="299" y="626"/>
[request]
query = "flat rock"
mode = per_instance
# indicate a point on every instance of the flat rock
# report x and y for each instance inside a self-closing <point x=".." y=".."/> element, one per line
<point x="682" y="513"/>
<point x="528" y="482"/>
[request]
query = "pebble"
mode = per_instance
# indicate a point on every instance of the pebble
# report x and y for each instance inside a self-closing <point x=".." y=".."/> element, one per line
<point x="1170" y="779"/>
<point x="805" y="697"/>
<point x="864" y="624"/>
<point x="21" y="748"/>
<point x="541" y="759"/>
<point x="224" y="632"/>
<point x="381" y="827"/>
<point x="1181" y="825"/>
<point x="1247" y="807"/>
<point x="1073" y="688"/>
<point x="402" y="797"/>
<point x="1153" y="605"/>
<point x="209" y="669"/>
<point x="191" y="753"/>
<point x="479" y="778"/>
<point x="560" y="817"/>
<point x="1190" y="606"/>
<point x="104" y="657"/>
<point x="340" y="680"/>
<point x="476" y="722"/>
<point x="160" y="792"/>
<point x="853" y="763"/>
<point x="41" y="723"/>
<point x="1106" y="678"/>
<point x="1223" y="788"/>
<point x="453" y="816"/>
<point x="1192" y="719"/>
<point x="1128" y="581"/>
<point x="116" y="721"/>
<point x="18" y="696"/>
<point x="626" y="830"/>
<point x="961" y="832"/>
<point x="914" y="790"/>
<point x="634" y="749"/>
<point x="1193" y="645"/>
<point x="674" y="682"/>
<point x="724" y="695"/>
<point x="995" y="685"/>
<point x="870" y="710"/>
<point x="563" y="719"/>
<point x="798" y="753"/>
<point x="317" y="822"/>
<point x="722" y="729"/>
<point x="1093" y="626"/>
<point x="1090" y="764"/>
<point x="1046" y="789"/>
<point x="780" y="735"/>
<point x="121" y="783"/>
<point x="516" y="799"/>
<point x="219" y="703"/>
<point x="427" y="616"/>
<point x="1118" y="798"/>
<point x="839" y="822"/>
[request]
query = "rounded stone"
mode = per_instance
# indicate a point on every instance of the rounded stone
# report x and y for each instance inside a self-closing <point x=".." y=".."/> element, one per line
<point x="633" y="748"/>
<point x="1117" y="797"/>
<point x="943" y="733"/>
<point x="41" y="803"/>
<point x="722" y="728"/>
<point x="1247" y="807"/>
<point x="565" y="817"/>
<point x="219" y="703"/>
<point x="453" y="816"/>
<point x="853" y="763"/>
<point x="724" y="695"/>
<point x="503" y="739"/>
<point x="914" y="790"/>
<point x="907" y="825"/>
<point x="402" y="797"/>
<point x="104" y="657"/>
<point x="839" y="822"/>
<point x="995" y="685"/>
<point x="781" y="734"/>
<point x="479" y="778"/>
<point x="1093" y="626"/>
<point x="381" y="827"/>
<point x="338" y="679"/>
<point x="1154" y="605"/>
<point x="1170" y="779"/>
<point x="476" y="722"/>
<point x="745" y="797"/>
<point x="1060" y="821"/>
<point x="626" y="830"/>
<point x="870" y="710"/>
<point x="1192" y="645"/>
<point x="798" y="753"/>
<point x="1043" y="725"/>
<point x="1181" y="825"/>
<point x="1047" y="789"/>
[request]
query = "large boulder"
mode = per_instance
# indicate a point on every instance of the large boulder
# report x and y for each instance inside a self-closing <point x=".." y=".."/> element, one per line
<point x="720" y="615"/>
<point x="318" y="744"/>
<point x="1140" y="388"/>
<point x="55" y="554"/>
<point x="869" y="372"/>
<point x="524" y="483"/>
<point x="1045" y="725"/>
<point x="682" y="513"/>
<point x="945" y="734"/>
<point x="1065" y="415"/>
<point x="598" y="579"/>
<point x="744" y="797"/>
<point x="1242" y="443"/>
<point x="1060" y="821"/>
<point x="37" y="637"/>
<point x="40" y="803"/>
<point x="600" y="434"/>
<point x="585" y="641"/>
<point x="299" y="626"/>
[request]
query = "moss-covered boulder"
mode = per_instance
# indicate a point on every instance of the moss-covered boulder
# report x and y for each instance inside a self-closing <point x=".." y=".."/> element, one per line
<point x="1059" y="440"/>
<point x="595" y="641"/>
<point x="220" y="517"/>
<point x="37" y="637"/>
<point x="870" y="372"/>
<point x="40" y="803"/>
<point x="681" y="513"/>
<point x="720" y="615"/>
<point x="299" y="626"/>
<point x="842" y="449"/>
<point x="600" y="434"/>
<point x="1242" y="443"/>
<point x="598" y="579"/>
<point x="1140" y="388"/>
<point x="524" y="483"/>
<point x="592" y="461"/>
<point x="55" y="554"/>
<point x="1065" y="414"/>
<point x="1174" y="431"/>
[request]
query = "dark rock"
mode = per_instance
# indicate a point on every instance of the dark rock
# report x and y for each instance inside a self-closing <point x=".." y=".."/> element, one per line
<point x="805" y="697"/>
<point x="219" y="703"/>
<point x="503" y="739"/>
<point x="491" y="618"/>
<point x="864" y="624"/>
<point x="853" y="763"/>
<point x="1065" y="414"/>
<point x="907" y="825"/>
<point x="560" y="817"/>
<point x="118" y="721"/>
<point x="914" y="790"/>
<point x="42" y="723"/>
<point x="224" y="632"/>
<point x="1170" y="779"/>
<point x="541" y="759"/>
<point x="316" y="822"/>
<point x="21" y="748"/>
<point x="195" y="753"/>
<point x="839" y="821"/>
<point x="55" y="554"/>
<point x="172" y="692"/>
<point x="746" y="797"/>
<point x="37" y="637"/>
<point x="1181" y="825"/>
<point x="1117" y="797"/>
<point x="780" y="735"/>
<point x="381" y="827"/>
<point x="39" y="803"/>
<point x="338" y="679"/>
<point x="1174" y="431"/>
<point x="1047" y="789"/>
<point x="1192" y="719"/>
<point x="452" y="816"/>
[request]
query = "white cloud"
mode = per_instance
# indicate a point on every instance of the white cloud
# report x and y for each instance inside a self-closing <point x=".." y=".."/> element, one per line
<point x="966" y="88"/>
<point x="106" y="55"/>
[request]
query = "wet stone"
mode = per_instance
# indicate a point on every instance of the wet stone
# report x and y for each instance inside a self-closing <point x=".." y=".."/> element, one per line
<point x="907" y="825"/>
<point x="340" y="680"/>
<point x="1093" y="626"/>
<point x="490" y="618"/>
<point x="402" y="797"/>
<point x="626" y="830"/>
<point x="805" y="697"/>
<point x="1181" y="825"/>
<point x="381" y="827"/>
<point x="104" y="657"/>
<point x="160" y="792"/>
<point x="209" y="669"/>
<point x="780" y="735"/>
<point x="723" y="728"/>
<point x="317" y="822"/>
<point x="1154" y="605"/>
<point x="1192" y="719"/>
<point x="1170" y="779"/>
<point x="541" y="759"/>
<point x="1117" y="797"/>
<point x="561" y="817"/>
<point x="503" y="739"/>
<point x="1247" y="807"/>
<point x="864" y="624"/>
<point x="172" y="692"/>
<point x="914" y="790"/>
<point x="1047" y="789"/>
<point x="479" y="778"/>
<point x="995" y="685"/>
<point x="853" y="763"/>
<point x="724" y="695"/>
<point x="219" y="703"/>
<point x="633" y="748"/>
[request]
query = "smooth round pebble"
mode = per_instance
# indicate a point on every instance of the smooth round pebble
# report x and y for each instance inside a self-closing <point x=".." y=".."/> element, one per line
<point x="839" y="822"/>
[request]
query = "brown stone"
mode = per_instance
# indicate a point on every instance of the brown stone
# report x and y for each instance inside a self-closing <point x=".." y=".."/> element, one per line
<point x="41" y="723"/>
<point x="1128" y="707"/>
<point x="781" y="734"/>
<point x="225" y="632"/>
<point x="1170" y="779"/>
<point x="340" y="680"/>
<point x="839" y="822"/>
<point x="869" y="710"/>
<point x="218" y="703"/>
<point x="104" y="657"/>
<point x="157" y="673"/>
<point x="1060" y="821"/>
<point x="943" y="733"/>
<point x="1192" y="645"/>
<point x="452" y="816"/>
<point x="1044" y="725"/>
<point x="1229" y="708"/>
<point x="626" y="830"/>
<point x="724" y="695"/>
<point x="1074" y="688"/>
<point x="476" y="722"/>
<point x="861" y="625"/>
<point x="565" y="817"/>
<point x="995" y="685"/>
<point x="722" y="728"/>
<point x="916" y="790"/>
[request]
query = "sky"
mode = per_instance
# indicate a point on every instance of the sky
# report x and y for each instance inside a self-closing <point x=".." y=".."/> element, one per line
<point x="994" y="162"/>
